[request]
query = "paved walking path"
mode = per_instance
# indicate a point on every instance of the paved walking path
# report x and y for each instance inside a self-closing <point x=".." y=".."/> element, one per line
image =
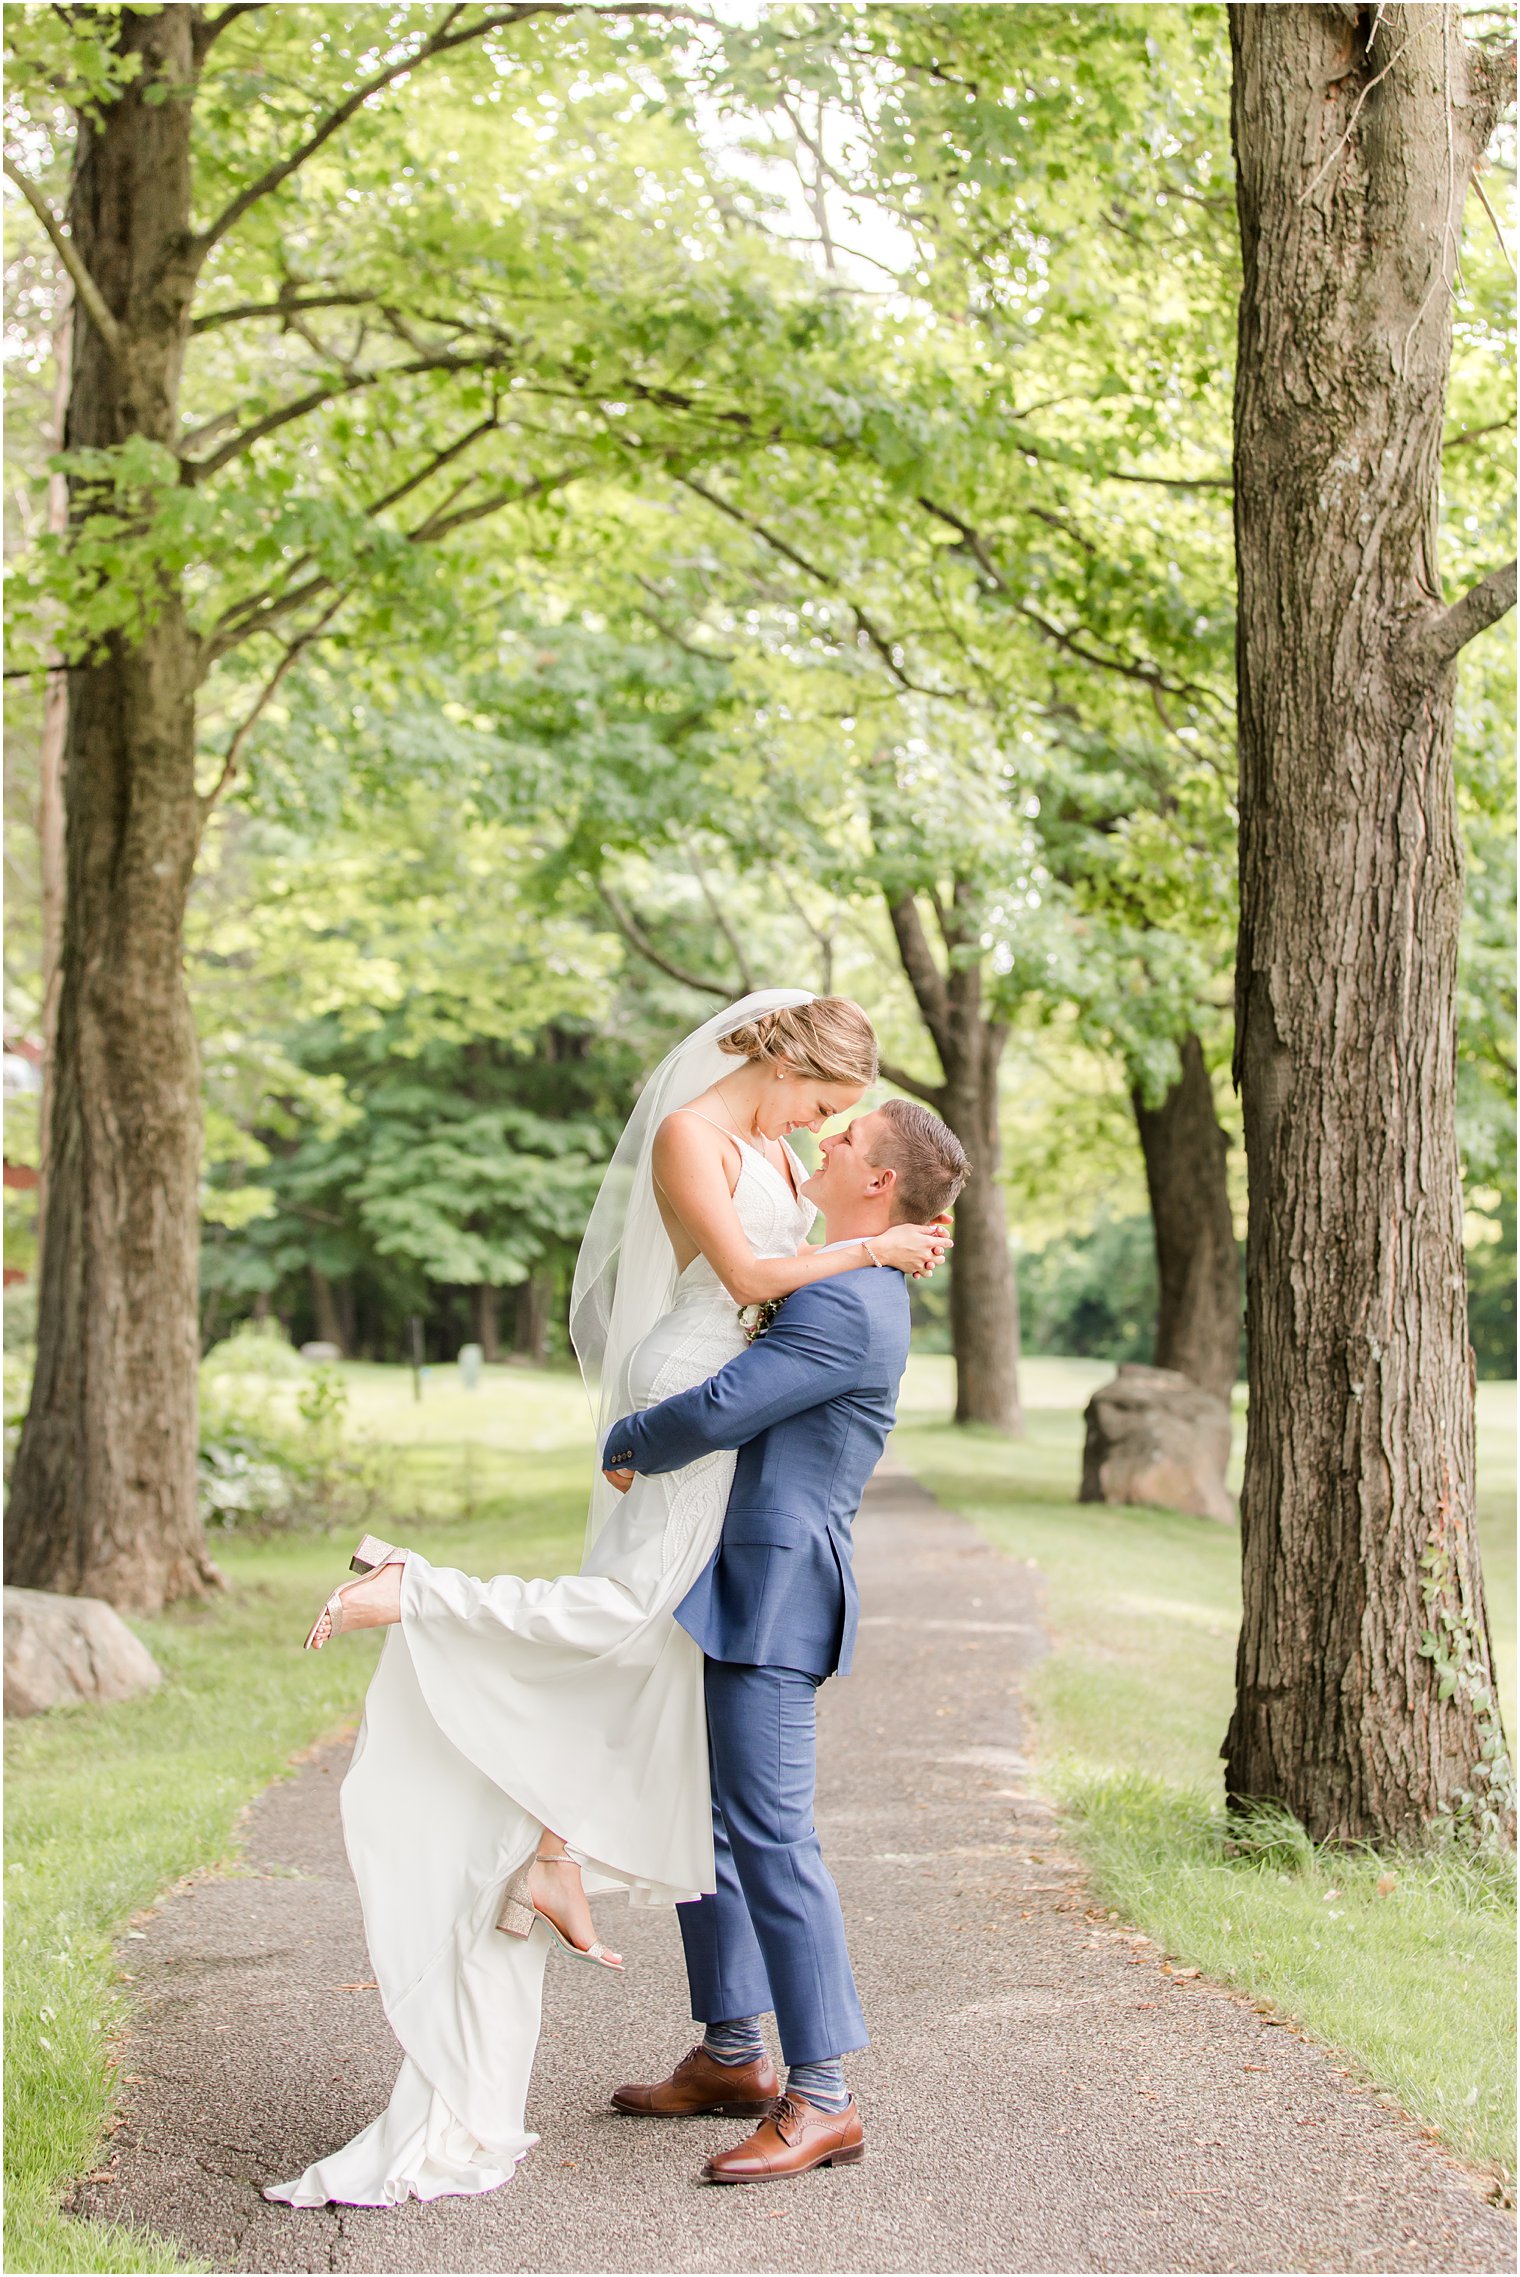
<point x="1040" y="2095"/>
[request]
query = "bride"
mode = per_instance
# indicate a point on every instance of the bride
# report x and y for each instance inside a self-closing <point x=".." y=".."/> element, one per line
<point x="526" y="1743"/>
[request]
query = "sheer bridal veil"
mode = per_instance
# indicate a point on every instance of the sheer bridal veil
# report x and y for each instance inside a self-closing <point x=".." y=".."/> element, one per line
<point x="625" y="1274"/>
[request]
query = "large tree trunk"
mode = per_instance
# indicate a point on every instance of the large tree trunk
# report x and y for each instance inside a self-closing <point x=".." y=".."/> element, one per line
<point x="50" y="841"/>
<point x="328" y="1314"/>
<point x="1197" y="1262"/>
<point x="1354" y="135"/>
<point x="984" y="1303"/>
<point x="535" y="1301"/>
<point x="103" y="1499"/>
<point x="487" y="1310"/>
<point x="984" y="1298"/>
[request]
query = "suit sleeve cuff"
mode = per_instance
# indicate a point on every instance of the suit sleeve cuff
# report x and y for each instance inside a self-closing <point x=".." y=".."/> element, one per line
<point x="619" y="1452"/>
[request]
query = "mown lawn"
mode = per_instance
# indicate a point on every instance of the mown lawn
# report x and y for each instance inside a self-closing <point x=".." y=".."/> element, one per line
<point x="111" y="1807"/>
<point x="1413" y="1979"/>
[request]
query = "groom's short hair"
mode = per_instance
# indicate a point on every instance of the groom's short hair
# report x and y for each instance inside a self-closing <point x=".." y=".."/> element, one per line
<point x="928" y="1158"/>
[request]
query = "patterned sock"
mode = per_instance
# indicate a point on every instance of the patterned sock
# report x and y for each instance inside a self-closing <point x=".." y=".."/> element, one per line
<point x="822" y="2084"/>
<point x="737" y="2041"/>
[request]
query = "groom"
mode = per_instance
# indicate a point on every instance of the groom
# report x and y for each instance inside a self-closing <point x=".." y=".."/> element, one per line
<point x="809" y="1407"/>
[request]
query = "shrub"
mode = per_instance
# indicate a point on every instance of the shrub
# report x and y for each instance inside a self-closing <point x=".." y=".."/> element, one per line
<point x="262" y="1470"/>
<point x="256" y="1348"/>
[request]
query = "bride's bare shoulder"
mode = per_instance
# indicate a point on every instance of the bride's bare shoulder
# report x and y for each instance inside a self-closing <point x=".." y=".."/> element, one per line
<point x="687" y="1142"/>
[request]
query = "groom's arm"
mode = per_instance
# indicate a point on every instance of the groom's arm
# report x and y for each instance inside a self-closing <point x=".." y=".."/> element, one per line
<point x="814" y="1349"/>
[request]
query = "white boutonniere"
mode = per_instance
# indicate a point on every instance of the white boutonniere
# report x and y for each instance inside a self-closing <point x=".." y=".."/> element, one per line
<point x="756" y="1319"/>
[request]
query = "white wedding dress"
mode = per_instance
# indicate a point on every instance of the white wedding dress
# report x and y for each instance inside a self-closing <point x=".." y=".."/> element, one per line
<point x="500" y="1707"/>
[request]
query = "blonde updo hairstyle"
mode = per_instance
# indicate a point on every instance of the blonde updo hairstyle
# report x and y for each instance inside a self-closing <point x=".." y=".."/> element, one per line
<point x="829" y="1038"/>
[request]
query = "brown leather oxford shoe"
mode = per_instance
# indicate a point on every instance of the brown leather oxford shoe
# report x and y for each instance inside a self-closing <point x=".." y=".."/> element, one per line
<point x="699" y="2086"/>
<point x="794" y="2136"/>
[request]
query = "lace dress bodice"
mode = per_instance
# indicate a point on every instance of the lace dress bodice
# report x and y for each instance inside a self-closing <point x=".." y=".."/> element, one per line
<point x="775" y="1220"/>
<point x="701" y="1329"/>
<point x="686" y="1345"/>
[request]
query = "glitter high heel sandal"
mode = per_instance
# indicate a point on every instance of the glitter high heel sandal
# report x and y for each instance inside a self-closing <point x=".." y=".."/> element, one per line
<point x="519" y="1913"/>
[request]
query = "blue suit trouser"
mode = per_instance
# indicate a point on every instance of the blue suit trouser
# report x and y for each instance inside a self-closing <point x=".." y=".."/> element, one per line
<point x="771" y="1935"/>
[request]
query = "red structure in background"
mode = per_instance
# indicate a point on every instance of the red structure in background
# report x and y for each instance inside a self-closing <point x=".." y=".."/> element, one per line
<point x="23" y="1074"/>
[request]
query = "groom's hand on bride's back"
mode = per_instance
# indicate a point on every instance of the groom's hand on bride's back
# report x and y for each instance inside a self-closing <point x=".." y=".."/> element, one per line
<point x="621" y="1479"/>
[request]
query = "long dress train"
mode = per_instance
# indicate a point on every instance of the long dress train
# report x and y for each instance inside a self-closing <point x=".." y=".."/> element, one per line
<point x="501" y="1707"/>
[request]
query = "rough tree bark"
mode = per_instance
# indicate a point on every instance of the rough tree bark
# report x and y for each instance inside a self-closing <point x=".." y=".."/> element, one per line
<point x="55" y="728"/>
<point x="1197" y="1262"/>
<point x="104" y="1490"/>
<point x="984" y="1303"/>
<point x="1355" y="130"/>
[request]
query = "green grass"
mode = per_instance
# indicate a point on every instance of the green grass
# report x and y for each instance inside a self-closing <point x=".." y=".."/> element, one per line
<point x="1416" y="1985"/>
<point x="109" y="1807"/>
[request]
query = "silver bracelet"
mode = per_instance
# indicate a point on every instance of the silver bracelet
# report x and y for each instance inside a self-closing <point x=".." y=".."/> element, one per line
<point x="870" y="1252"/>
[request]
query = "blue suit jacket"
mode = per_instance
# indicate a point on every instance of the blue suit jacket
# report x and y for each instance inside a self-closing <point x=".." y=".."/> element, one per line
<point x="809" y="1406"/>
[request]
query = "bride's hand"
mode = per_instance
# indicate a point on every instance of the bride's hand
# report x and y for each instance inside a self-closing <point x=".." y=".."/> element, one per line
<point x="914" y="1249"/>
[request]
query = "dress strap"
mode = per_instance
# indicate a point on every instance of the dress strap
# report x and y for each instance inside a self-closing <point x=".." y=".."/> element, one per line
<point x="788" y="1158"/>
<point x="732" y="1137"/>
<point x="706" y="1118"/>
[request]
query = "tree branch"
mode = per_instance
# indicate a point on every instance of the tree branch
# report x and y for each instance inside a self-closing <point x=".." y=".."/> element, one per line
<point x="211" y="28"/>
<point x="1441" y="639"/>
<point x="291" y="306"/>
<point x="91" y="298"/>
<point x="197" y="469"/>
<point x="1477" y="183"/>
<point x="239" y="741"/>
<point x="440" y="458"/>
<point x="1148" y="675"/>
<point x="242" y="611"/>
<point x="444" y="37"/>
<point x="449" y="361"/>
<point x="679" y="640"/>
<point x="637" y="939"/>
<point x="869" y="631"/>
<point x="438" y="525"/>
<point x="1031" y="448"/>
<point x="927" y="982"/>
<point x="1467" y="435"/>
<point x="1151" y="481"/>
<point x="823" y="937"/>
<point x="949" y="932"/>
<point x="438" y="43"/>
<point x="258" y="614"/>
<point x="932" y="1094"/>
<point x="721" y="919"/>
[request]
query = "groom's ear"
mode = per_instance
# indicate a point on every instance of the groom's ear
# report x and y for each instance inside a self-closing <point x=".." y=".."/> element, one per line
<point x="883" y="1179"/>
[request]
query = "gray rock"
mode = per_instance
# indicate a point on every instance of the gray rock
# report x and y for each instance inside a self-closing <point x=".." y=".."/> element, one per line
<point x="1155" y="1437"/>
<point x="62" y="1649"/>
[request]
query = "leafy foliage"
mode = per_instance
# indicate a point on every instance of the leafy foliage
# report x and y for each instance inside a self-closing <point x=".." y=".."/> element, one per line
<point x="683" y="490"/>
